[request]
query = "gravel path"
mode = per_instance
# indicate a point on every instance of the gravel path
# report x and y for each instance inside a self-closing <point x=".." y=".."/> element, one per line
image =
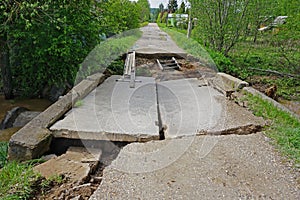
<point x="206" y="167"/>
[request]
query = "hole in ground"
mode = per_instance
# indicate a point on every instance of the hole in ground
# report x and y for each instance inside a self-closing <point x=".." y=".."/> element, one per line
<point x="83" y="190"/>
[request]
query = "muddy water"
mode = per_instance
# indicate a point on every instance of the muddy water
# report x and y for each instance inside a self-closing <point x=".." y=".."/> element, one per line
<point x="31" y="104"/>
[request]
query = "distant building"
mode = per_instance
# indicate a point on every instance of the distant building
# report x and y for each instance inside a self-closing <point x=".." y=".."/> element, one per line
<point x="177" y="18"/>
<point x="278" y="21"/>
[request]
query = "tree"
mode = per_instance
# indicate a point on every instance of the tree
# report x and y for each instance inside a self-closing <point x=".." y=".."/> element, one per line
<point x="222" y="22"/>
<point x="44" y="42"/>
<point x="172" y="6"/>
<point x="161" y="7"/>
<point x="144" y="9"/>
<point x="182" y="8"/>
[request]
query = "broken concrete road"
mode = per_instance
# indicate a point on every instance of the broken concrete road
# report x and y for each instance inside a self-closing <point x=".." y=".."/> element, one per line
<point x="151" y="111"/>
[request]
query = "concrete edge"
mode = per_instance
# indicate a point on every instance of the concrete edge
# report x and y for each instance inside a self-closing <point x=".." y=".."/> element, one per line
<point x="253" y="91"/>
<point x="161" y="55"/>
<point x="105" y="136"/>
<point x="34" y="139"/>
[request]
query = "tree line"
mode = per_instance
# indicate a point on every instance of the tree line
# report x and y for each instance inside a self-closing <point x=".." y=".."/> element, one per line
<point x="223" y="23"/>
<point x="44" y="42"/>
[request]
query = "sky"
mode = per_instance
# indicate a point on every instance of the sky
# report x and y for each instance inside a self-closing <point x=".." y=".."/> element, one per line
<point x="155" y="3"/>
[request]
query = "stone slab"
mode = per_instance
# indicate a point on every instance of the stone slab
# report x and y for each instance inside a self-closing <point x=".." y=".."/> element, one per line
<point x="157" y="43"/>
<point x="75" y="165"/>
<point x="115" y="112"/>
<point x="189" y="109"/>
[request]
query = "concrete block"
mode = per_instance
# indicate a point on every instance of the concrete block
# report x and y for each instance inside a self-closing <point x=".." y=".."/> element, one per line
<point x="34" y="139"/>
<point x="29" y="143"/>
<point x="98" y="78"/>
<point x="85" y="87"/>
<point x="228" y="81"/>
<point x="115" y="112"/>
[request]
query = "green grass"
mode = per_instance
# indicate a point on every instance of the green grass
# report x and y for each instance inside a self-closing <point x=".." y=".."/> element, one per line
<point x="269" y="53"/>
<point x="102" y="57"/>
<point x="3" y="153"/>
<point x="284" y="128"/>
<point x="78" y="103"/>
<point x="16" y="181"/>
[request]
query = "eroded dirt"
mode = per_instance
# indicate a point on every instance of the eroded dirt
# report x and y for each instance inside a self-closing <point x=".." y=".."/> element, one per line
<point x="189" y="69"/>
<point x="69" y="190"/>
<point x="263" y="83"/>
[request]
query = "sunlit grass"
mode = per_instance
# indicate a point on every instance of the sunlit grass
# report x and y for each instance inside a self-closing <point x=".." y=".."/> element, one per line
<point x="16" y="181"/>
<point x="284" y="128"/>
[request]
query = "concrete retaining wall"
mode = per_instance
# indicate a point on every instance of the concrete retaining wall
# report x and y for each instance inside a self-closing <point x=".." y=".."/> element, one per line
<point x="34" y="139"/>
<point x="266" y="98"/>
<point x="226" y="82"/>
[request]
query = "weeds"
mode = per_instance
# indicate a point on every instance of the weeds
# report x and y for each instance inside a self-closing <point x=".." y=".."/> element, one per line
<point x="78" y="103"/>
<point x="3" y="153"/>
<point x="16" y="181"/>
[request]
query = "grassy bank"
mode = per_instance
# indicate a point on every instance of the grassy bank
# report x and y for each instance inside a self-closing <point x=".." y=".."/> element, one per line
<point x="16" y="179"/>
<point x="284" y="129"/>
<point x="105" y="55"/>
<point x="270" y="53"/>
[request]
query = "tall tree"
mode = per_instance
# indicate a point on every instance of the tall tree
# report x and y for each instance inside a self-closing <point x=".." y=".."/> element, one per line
<point x="182" y="8"/>
<point x="222" y="22"/>
<point x="144" y="10"/>
<point x="172" y="6"/>
<point x="161" y="7"/>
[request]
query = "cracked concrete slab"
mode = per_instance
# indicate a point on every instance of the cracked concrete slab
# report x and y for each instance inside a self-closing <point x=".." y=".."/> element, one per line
<point x="75" y="165"/>
<point x="115" y="112"/>
<point x="189" y="109"/>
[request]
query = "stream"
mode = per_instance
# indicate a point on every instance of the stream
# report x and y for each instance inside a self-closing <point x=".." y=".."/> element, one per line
<point x="31" y="104"/>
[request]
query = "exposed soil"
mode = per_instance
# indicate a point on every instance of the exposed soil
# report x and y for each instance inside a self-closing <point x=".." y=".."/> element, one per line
<point x="258" y="82"/>
<point x="67" y="190"/>
<point x="149" y="67"/>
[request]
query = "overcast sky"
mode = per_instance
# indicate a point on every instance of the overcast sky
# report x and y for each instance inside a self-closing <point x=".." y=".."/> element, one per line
<point x="155" y="3"/>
